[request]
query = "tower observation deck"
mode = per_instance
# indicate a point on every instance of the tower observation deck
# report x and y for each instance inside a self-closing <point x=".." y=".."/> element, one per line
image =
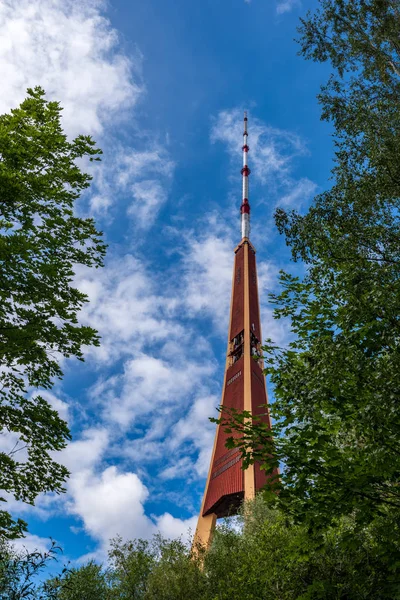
<point x="244" y="387"/>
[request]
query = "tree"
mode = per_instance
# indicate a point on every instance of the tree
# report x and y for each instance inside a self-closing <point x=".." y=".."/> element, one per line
<point x="20" y="573"/>
<point x="41" y="242"/>
<point x="178" y="574"/>
<point x="89" y="582"/>
<point x="337" y="385"/>
<point x="264" y="556"/>
<point x="270" y="557"/>
<point x="131" y="564"/>
<point x="158" y="569"/>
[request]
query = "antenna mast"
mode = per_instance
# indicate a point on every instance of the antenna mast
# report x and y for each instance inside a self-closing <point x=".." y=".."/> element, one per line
<point x="245" y="207"/>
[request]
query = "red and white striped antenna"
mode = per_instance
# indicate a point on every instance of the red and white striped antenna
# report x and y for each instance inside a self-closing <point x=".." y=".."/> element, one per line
<point x="245" y="207"/>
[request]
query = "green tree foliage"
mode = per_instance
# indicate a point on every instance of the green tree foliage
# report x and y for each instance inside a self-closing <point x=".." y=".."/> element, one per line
<point x="177" y="575"/>
<point x="132" y="563"/>
<point x="21" y="573"/>
<point x="273" y="558"/>
<point x="89" y="582"/>
<point x="137" y="570"/>
<point x="41" y="242"/>
<point x="337" y="385"/>
<point x="265" y="556"/>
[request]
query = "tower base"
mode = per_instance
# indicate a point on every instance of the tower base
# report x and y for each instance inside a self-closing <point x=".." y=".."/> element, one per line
<point x="204" y="532"/>
<point x="227" y="506"/>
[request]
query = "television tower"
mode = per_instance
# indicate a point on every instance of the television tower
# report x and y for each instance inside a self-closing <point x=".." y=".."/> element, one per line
<point x="244" y="386"/>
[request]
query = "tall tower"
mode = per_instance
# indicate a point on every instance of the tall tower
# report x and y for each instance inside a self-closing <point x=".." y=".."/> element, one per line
<point x="244" y="382"/>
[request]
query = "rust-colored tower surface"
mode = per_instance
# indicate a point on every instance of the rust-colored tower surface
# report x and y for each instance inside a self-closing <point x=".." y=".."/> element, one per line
<point x="244" y="385"/>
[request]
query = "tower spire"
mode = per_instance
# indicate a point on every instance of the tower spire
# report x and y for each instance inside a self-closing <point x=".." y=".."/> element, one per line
<point x="245" y="207"/>
<point x="244" y="387"/>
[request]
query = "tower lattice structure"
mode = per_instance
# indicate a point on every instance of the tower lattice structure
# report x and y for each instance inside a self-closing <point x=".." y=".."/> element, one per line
<point x="244" y="387"/>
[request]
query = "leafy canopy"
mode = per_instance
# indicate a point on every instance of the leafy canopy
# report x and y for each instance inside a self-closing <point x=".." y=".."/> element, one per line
<point x="41" y="242"/>
<point x="263" y="556"/>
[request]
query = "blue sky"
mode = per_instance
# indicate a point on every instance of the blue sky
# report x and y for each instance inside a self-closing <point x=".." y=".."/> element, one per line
<point x="162" y="87"/>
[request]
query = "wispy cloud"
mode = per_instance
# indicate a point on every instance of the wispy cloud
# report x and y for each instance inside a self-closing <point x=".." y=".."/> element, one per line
<point x="108" y="500"/>
<point x="272" y="150"/>
<point x="300" y="193"/>
<point x="208" y="276"/>
<point x="139" y="179"/>
<point x="32" y="543"/>
<point x="196" y="429"/>
<point x="71" y="50"/>
<point x="285" y="6"/>
<point x="150" y="385"/>
<point x="148" y="197"/>
<point x="129" y="307"/>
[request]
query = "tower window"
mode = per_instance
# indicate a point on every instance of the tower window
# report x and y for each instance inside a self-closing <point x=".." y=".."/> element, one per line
<point x="255" y="346"/>
<point x="236" y="347"/>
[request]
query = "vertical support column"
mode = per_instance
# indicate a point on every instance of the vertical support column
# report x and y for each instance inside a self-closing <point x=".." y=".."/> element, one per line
<point x="204" y="531"/>
<point x="249" y="475"/>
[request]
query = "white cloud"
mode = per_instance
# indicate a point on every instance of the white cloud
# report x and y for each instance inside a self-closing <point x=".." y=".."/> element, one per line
<point x="143" y="450"/>
<point x="186" y="449"/>
<point x="150" y="384"/>
<point x="71" y="50"/>
<point x="132" y="162"/>
<point x="108" y="500"/>
<point x="272" y="150"/>
<point x="276" y="330"/>
<point x="10" y="444"/>
<point x="149" y="195"/>
<point x="85" y="453"/>
<point x="284" y="6"/>
<point x="125" y="307"/>
<point x="196" y="428"/>
<point x="178" y="470"/>
<point x="110" y="503"/>
<point x="208" y="277"/>
<point x="32" y="543"/>
<point x="139" y="320"/>
<point x="299" y="194"/>
<point x="170" y="527"/>
<point x="139" y="178"/>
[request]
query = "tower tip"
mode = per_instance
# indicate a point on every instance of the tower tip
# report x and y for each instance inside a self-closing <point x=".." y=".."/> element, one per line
<point x="245" y="207"/>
